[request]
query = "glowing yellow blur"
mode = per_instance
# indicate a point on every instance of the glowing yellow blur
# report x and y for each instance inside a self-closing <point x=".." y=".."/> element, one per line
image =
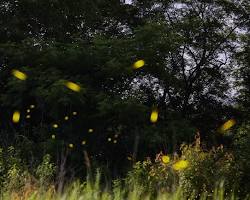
<point x="84" y="142"/>
<point x="32" y="106"/>
<point x="66" y="118"/>
<point x="165" y="159"/>
<point x="138" y="64"/>
<point x="180" y="165"/>
<point x="55" y="125"/>
<point x="53" y="137"/>
<point x="74" y="113"/>
<point x="16" y="117"/>
<point x="129" y="158"/>
<point x="154" y="116"/>
<point x="73" y="86"/>
<point x="71" y="146"/>
<point x="90" y="130"/>
<point x="18" y="74"/>
<point x="227" y="125"/>
<point x="28" y="116"/>
<point x="109" y="139"/>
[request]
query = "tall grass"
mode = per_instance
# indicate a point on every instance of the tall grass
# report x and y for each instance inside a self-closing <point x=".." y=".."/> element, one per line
<point x="139" y="184"/>
<point x="94" y="191"/>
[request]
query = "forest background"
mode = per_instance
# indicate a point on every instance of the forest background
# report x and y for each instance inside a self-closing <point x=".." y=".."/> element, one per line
<point x="81" y="81"/>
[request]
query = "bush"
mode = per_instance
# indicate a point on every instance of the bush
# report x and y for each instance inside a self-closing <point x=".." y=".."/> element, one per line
<point x="13" y="172"/>
<point x="207" y="170"/>
<point x="45" y="171"/>
<point x="196" y="171"/>
<point x="154" y="176"/>
<point x="242" y="155"/>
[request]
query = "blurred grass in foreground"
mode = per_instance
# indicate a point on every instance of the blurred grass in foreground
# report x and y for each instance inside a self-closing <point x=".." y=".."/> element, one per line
<point x="95" y="191"/>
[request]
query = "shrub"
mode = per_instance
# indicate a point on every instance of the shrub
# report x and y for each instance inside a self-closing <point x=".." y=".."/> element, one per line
<point x="208" y="169"/>
<point x="196" y="171"/>
<point x="45" y="171"/>
<point x="13" y="172"/>
<point x="153" y="176"/>
<point x="242" y="155"/>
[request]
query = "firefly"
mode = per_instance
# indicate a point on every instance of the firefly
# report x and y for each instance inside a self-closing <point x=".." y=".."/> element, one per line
<point x="90" y="130"/>
<point x="154" y="116"/>
<point x="73" y="86"/>
<point x="227" y="125"/>
<point x="66" y="118"/>
<point x="18" y="74"/>
<point x="165" y="159"/>
<point x="74" y="113"/>
<point x="71" y="145"/>
<point x="138" y="64"/>
<point x="55" y="125"/>
<point x="32" y="106"/>
<point x="27" y="116"/>
<point x="180" y="165"/>
<point x="84" y="142"/>
<point x="16" y="117"/>
<point x="53" y="136"/>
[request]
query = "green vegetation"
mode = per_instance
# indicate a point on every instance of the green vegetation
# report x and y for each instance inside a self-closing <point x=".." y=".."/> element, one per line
<point x="147" y="180"/>
<point x="109" y="85"/>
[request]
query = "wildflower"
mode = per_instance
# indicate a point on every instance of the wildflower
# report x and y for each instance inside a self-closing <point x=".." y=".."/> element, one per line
<point x="165" y="159"/>
<point x="138" y="64"/>
<point x="18" y="74"/>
